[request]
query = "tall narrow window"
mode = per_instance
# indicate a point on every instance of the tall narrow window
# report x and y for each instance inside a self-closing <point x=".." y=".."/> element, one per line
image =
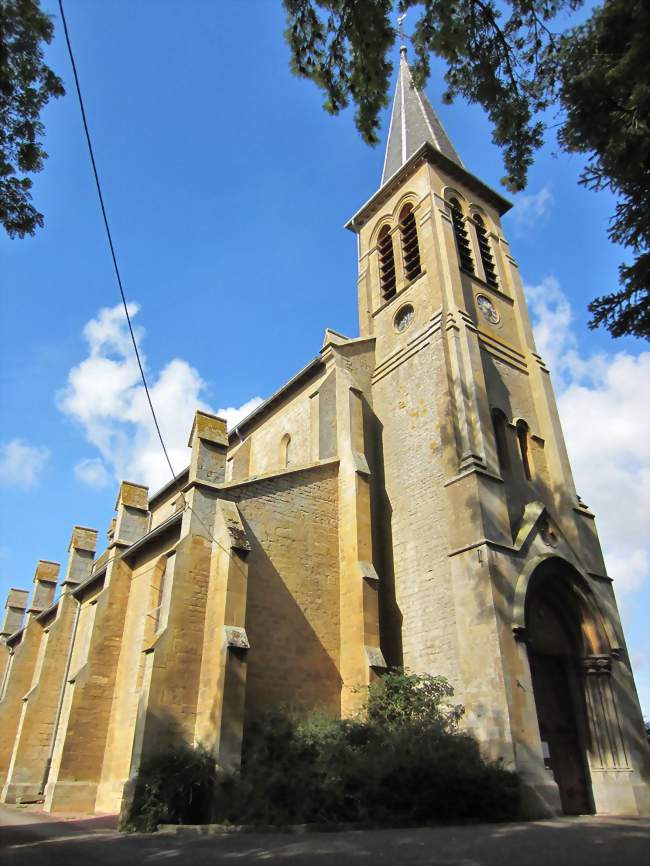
<point x="40" y="658"/>
<point x="522" y="438"/>
<point x="386" y="263"/>
<point x="157" y="594"/>
<point x="410" y="247"/>
<point x="499" y="422"/>
<point x="86" y="623"/>
<point x="285" y="450"/>
<point x="6" y="676"/>
<point x="486" y="252"/>
<point x="462" y="240"/>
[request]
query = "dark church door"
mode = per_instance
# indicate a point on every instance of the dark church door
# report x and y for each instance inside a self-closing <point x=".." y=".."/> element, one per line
<point x="563" y="751"/>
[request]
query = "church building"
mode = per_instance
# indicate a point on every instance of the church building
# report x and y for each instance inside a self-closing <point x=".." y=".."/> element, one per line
<point x="405" y="499"/>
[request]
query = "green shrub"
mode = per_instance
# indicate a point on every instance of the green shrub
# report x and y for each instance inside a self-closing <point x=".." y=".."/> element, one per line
<point x="399" y="697"/>
<point x="172" y="787"/>
<point x="404" y="761"/>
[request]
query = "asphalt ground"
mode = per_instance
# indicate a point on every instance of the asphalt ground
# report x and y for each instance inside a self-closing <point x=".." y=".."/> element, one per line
<point x="32" y="838"/>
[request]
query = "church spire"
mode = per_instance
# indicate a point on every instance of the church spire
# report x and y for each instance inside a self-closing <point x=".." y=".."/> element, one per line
<point x="413" y="122"/>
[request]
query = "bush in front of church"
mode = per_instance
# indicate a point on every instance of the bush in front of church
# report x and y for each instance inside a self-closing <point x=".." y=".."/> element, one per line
<point x="175" y="786"/>
<point x="404" y="761"/>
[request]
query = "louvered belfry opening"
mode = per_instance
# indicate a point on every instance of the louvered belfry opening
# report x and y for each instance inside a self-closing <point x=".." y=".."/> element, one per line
<point x="486" y="253"/>
<point x="410" y="247"/>
<point x="462" y="240"/>
<point x="386" y="263"/>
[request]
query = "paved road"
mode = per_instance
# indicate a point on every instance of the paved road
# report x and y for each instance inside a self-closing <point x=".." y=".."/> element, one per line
<point x="36" y="839"/>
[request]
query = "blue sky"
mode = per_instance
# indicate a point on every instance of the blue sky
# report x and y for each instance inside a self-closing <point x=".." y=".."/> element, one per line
<point x="227" y="187"/>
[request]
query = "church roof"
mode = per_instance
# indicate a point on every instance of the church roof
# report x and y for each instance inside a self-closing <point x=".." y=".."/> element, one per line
<point x="413" y="123"/>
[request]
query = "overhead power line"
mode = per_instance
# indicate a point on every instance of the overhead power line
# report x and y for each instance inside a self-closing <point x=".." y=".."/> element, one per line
<point x="122" y="294"/>
<point x="110" y="237"/>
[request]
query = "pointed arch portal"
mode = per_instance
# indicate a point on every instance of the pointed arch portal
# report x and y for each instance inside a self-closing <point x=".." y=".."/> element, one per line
<point x="570" y="656"/>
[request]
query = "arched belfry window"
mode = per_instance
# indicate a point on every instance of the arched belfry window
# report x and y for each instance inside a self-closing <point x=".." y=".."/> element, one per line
<point x="386" y="263"/>
<point x="500" y="425"/>
<point x="522" y="439"/>
<point x="486" y="252"/>
<point x="410" y="246"/>
<point x="462" y="239"/>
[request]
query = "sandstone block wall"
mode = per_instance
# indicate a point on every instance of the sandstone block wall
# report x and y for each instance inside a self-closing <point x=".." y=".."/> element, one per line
<point x="33" y="743"/>
<point x="142" y="599"/>
<point x="292" y="617"/>
<point x="25" y="652"/>
<point x="416" y="523"/>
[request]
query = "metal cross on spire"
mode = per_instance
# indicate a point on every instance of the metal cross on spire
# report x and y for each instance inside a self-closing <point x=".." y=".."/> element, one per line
<point x="402" y="35"/>
<point x="400" y="28"/>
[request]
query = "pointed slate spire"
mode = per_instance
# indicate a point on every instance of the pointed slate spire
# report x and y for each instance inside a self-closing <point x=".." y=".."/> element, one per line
<point x="413" y="122"/>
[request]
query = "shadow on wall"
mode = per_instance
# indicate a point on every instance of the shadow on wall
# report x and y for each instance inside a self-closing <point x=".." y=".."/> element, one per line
<point x="390" y="615"/>
<point x="293" y="597"/>
<point x="288" y="665"/>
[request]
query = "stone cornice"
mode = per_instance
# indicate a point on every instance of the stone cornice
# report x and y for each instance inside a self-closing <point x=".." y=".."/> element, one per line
<point x="427" y="153"/>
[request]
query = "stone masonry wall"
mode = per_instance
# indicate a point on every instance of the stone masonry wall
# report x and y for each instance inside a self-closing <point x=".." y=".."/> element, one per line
<point x="292" y="617"/>
<point x="128" y="680"/>
<point x="417" y="529"/>
<point x="33" y="743"/>
<point x="20" y="681"/>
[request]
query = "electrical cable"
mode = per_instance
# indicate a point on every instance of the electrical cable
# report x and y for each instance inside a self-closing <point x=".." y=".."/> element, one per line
<point x="110" y="237"/>
<point x="121" y="288"/>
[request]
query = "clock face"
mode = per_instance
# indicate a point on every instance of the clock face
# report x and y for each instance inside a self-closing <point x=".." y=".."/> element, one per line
<point x="403" y="318"/>
<point x="487" y="308"/>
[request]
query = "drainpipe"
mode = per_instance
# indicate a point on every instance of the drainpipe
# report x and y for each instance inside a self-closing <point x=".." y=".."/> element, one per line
<point x="57" y="717"/>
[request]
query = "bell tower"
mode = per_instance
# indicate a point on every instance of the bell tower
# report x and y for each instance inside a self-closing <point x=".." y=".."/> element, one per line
<point x="480" y="537"/>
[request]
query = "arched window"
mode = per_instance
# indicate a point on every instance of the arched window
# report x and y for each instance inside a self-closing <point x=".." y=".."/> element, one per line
<point x="486" y="252"/>
<point x="386" y="263"/>
<point x="500" y="425"/>
<point x="285" y="450"/>
<point x="462" y="240"/>
<point x="522" y="439"/>
<point x="410" y="247"/>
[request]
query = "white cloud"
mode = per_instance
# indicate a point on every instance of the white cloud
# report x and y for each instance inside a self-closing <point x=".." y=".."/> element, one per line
<point x="21" y="464"/>
<point x="530" y="208"/>
<point x="604" y="404"/>
<point x="93" y="472"/>
<point x="105" y="396"/>
<point x="234" y="414"/>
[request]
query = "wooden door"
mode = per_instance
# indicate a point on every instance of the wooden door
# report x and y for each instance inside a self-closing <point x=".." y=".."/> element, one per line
<point x="563" y="750"/>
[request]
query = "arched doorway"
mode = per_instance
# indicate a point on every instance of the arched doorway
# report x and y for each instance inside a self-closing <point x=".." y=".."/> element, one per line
<point x="559" y="634"/>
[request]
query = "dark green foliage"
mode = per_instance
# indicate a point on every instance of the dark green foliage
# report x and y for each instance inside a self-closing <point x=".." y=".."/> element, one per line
<point x="519" y="60"/>
<point x="399" y="697"/>
<point x="406" y="763"/>
<point x="26" y="85"/>
<point x="326" y="771"/>
<point x="173" y="787"/>
<point x="501" y="56"/>
<point x="343" y="46"/>
<point x="605" y="92"/>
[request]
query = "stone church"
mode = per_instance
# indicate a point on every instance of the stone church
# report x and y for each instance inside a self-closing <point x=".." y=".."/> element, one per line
<point x="405" y="499"/>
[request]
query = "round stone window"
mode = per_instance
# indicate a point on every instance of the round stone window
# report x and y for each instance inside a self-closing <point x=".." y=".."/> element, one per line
<point x="403" y="318"/>
<point x="487" y="308"/>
